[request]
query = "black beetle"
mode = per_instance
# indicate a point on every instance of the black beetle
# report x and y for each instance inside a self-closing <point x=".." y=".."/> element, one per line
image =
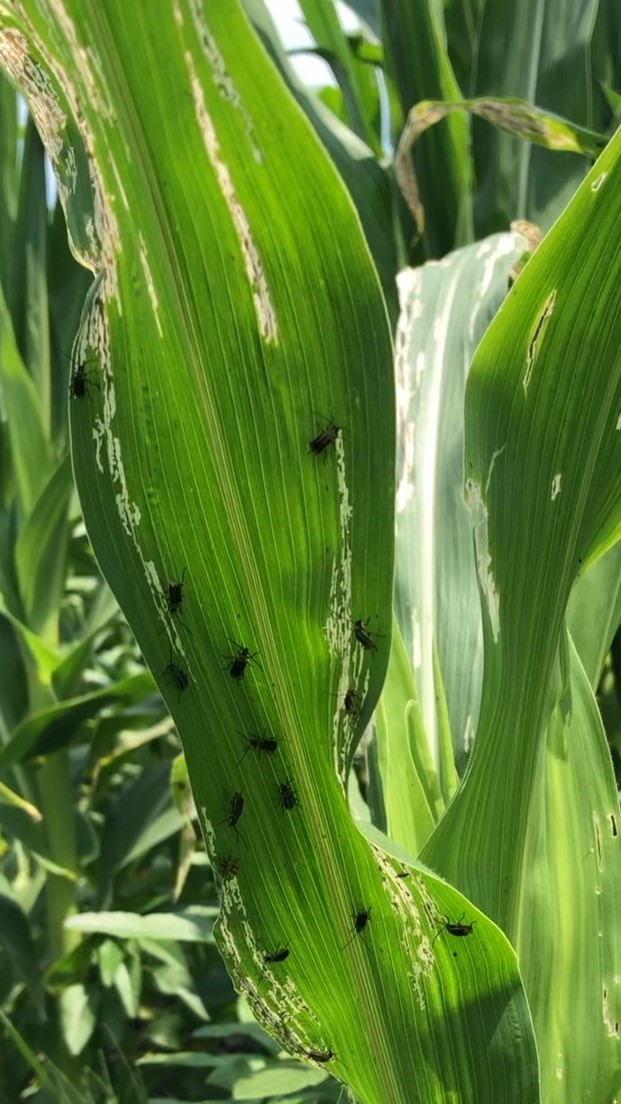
<point x="174" y="601"/>
<point x="239" y="661"/>
<point x="365" y="638"/>
<point x="276" y="956"/>
<point x="324" y="439"/>
<point x="320" y="1055"/>
<point x="267" y="744"/>
<point x="287" y="797"/>
<point x="81" y="382"/>
<point x="361" y="919"/>
<point x="236" y="808"/>
<point x="180" y="677"/>
<point x="459" y="929"/>
<point x="351" y="703"/>
<point x="228" y="867"/>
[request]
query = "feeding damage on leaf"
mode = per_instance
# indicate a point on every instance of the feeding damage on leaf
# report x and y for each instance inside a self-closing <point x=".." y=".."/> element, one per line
<point x="536" y="341"/>
<point x="556" y="486"/>
<point x="150" y="284"/>
<point x="409" y="285"/>
<point x="337" y="626"/>
<point x="478" y="509"/>
<point x="261" y="296"/>
<point x="54" y="98"/>
<point x="50" y="118"/>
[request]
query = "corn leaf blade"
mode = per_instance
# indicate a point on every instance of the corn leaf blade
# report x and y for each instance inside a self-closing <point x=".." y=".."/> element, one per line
<point x="544" y="486"/>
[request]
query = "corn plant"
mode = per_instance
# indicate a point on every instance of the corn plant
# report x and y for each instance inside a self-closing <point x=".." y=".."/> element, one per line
<point x="233" y="442"/>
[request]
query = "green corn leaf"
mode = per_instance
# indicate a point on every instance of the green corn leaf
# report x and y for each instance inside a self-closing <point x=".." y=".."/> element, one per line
<point x="356" y="82"/>
<point x="40" y="554"/>
<point x="449" y="778"/>
<point x="41" y="654"/>
<point x="539" y="810"/>
<point x="462" y="21"/>
<point x="594" y="612"/>
<point x="418" y="62"/>
<point x="367" y="180"/>
<point x="68" y="283"/>
<point x="412" y="796"/>
<point x="445" y="311"/>
<point x="29" y="292"/>
<point x="68" y="671"/>
<point x="513" y="116"/>
<point x="539" y="53"/>
<point x="140" y="818"/>
<point x="30" y="451"/>
<point x="184" y="804"/>
<point x="234" y="314"/>
<point x="608" y="44"/>
<point x="55" y="727"/>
